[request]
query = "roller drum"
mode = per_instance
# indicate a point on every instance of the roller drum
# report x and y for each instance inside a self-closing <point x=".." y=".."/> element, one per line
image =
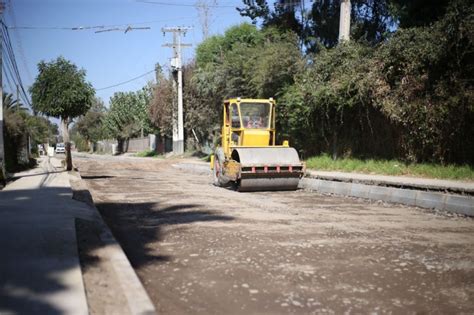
<point x="269" y="168"/>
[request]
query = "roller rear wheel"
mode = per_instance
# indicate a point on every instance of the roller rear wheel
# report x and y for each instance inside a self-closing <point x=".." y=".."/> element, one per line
<point x="218" y="172"/>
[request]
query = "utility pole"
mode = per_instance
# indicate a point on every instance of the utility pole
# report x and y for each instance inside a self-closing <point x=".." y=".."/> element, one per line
<point x="3" y="174"/>
<point x="345" y="21"/>
<point x="176" y="67"/>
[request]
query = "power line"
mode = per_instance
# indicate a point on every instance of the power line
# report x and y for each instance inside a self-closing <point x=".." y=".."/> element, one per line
<point x="9" y="81"/>
<point x="125" y="82"/>
<point x="12" y="81"/>
<point x="7" y="70"/>
<point x="10" y="54"/>
<point x="95" y="27"/>
<point x="283" y="5"/>
<point x="125" y="30"/>
<point x="13" y="65"/>
<point x="185" y="4"/>
<point x="18" y="42"/>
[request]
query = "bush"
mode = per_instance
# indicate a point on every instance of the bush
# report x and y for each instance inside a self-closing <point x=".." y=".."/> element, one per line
<point x="147" y="153"/>
<point x="82" y="145"/>
<point x="410" y="98"/>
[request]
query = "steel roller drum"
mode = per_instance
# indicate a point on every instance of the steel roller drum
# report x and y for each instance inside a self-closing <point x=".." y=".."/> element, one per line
<point x="278" y="168"/>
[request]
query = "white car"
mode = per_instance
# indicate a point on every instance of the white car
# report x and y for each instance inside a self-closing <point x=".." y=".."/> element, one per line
<point x="60" y="148"/>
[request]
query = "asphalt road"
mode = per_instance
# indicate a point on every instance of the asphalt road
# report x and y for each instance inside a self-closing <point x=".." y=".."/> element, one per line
<point x="203" y="249"/>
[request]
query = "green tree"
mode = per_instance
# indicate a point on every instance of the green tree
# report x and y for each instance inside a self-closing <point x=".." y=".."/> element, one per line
<point x="160" y="110"/>
<point x="41" y="130"/>
<point x="60" y="90"/>
<point x="128" y="114"/>
<point x="412" y="13"/>
<point x="318" y="23"/>
<point x="244" y="62"/>
<point x="90" y="126"/>
<point x="14" y="137"/>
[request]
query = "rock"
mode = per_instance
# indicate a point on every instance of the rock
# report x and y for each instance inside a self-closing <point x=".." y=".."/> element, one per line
<point x="296" y="303"/>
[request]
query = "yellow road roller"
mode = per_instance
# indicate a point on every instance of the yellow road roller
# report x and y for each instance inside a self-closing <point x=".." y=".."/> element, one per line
<point x="248" y="157"/>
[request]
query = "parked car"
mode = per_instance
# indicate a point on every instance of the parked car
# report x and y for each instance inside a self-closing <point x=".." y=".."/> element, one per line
<point x="60" y="148"/>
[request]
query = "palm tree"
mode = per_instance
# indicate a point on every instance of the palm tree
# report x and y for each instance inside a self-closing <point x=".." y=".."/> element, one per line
<point x="10" y="104"/>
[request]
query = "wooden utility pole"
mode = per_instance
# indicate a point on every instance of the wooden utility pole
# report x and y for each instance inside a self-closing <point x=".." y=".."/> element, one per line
<point x="176" y="66"/>
<point x="2" y="143"/>
<point x="345" y="21"/>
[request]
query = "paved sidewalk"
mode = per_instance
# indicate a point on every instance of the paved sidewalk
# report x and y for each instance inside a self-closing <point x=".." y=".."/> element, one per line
<point x="39" y="266"/>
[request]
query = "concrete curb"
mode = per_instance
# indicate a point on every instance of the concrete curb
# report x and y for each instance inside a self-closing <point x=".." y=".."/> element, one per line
<point x="412" y="197"/>
<point x="423" y="199"/>
<point x="138" y="301"/>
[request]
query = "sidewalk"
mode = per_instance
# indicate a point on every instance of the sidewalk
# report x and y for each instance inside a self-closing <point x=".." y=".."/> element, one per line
<point x="39" y="266"/>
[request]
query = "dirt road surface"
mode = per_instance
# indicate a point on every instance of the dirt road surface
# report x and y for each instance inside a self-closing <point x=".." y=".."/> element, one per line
<point x="199" y="249"/>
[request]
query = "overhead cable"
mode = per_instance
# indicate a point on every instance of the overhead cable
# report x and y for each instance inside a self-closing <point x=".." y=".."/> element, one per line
<point x="10" y="54"/>
<point x="186" y="4"/>
<point x="125" y="82"/>
<point x="18" y="42"/>
<point x="94" y="27"/>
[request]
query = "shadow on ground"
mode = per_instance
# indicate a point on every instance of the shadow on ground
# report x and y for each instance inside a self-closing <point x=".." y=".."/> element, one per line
<point x="139" y="224"/>
<point x="35" y="249"/>
<point x="135" y="225"/>
<point x="35" y="174"/>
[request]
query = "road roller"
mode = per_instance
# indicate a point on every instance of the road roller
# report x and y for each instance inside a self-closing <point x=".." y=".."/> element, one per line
<point x="248" y="157"/>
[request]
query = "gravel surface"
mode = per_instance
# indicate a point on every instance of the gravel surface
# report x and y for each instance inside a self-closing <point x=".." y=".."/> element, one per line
<point x="203" y="249"/>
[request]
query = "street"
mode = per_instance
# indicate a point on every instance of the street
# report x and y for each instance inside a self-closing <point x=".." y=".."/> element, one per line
<point x="203" y="249"/>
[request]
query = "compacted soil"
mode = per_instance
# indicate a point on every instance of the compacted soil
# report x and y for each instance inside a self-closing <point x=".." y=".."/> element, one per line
<point x="208" y="250"/>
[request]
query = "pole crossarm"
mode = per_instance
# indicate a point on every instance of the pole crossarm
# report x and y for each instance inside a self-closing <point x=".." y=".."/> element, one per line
<point x="174" y="45"/>
<point x="176" y="29"/>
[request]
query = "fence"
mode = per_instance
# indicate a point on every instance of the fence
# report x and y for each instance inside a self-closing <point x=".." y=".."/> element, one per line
<point x="105" y="146"/>
<point x="152" y="142"/>
<point x="138" y="144"/>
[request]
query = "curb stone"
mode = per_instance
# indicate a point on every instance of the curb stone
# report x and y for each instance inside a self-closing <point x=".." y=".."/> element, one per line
<point x="423" y="199"/>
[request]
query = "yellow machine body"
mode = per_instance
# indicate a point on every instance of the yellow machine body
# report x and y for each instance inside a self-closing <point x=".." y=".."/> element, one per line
<point x="248" y="154"/>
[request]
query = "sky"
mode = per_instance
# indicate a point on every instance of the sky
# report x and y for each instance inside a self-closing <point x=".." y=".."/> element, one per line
<point x="42" y="30"/>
